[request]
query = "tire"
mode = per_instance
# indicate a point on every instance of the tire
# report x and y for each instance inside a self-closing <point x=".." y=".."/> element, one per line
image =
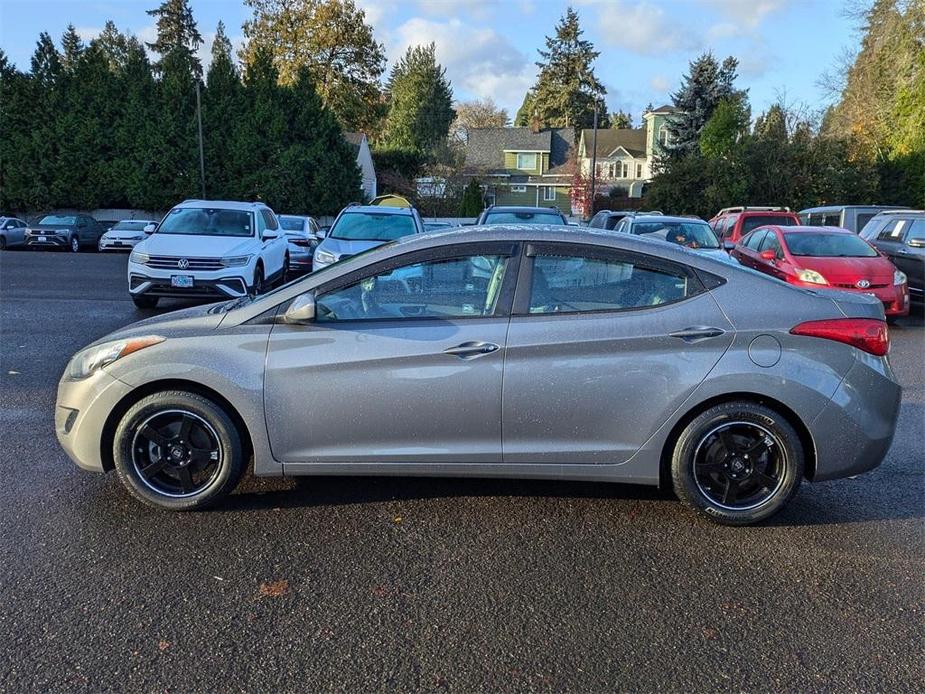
<point x="749" y="463"/>
<point x="145" y="301"/>
<point x="170" y="426"/>
<point x="2" y="243"/>
<point x="257" y="285"/>
<point x="74" y="244"/>
<point x="287" y="273"/>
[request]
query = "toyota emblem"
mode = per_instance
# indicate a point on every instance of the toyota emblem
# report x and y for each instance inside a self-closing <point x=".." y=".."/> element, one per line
<point x="863" y="284"/>
<point x="183" y="263"/>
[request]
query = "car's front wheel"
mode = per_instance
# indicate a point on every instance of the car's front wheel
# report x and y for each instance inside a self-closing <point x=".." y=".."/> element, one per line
<point x="178" y="451"/>
<point x="738" y="463"/>
<point x="257" y="284"/>
<point x="74" y="244"/>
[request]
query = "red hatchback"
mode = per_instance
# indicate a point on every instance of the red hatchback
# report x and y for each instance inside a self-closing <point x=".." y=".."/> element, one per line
<point x="825" y="256"/>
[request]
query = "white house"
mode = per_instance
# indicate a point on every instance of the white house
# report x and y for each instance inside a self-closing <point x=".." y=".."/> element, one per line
<point x="365" y="161"/>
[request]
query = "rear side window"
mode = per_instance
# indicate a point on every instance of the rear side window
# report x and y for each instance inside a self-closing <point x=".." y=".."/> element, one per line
<point x="574" y="283"/>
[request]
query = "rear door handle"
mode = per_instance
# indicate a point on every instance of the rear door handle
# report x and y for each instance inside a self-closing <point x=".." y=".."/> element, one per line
<point x="471" y="350"/>
<point x="697" y="333"/>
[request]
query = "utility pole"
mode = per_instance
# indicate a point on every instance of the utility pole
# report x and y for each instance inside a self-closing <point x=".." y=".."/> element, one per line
<point x="202" y="157"/>
<point x="593" y="160"/>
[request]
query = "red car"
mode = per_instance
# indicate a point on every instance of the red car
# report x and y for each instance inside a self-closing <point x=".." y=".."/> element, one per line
<point x="825" y="256"/>
<point x="732" y="223"/>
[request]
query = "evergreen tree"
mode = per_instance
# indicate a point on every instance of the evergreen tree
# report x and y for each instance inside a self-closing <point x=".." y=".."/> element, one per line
<point x="728" y="124"/>
<point x="71" y="49"/>
<point x="527" y="110"/>
<point x="176" y="31"/>
<point x="706" y="84"/>
<point x="621" y="120"/>
<point x="472" y="202"/>
<point x="40" y="142"/>
<point x="567" y="89"/>
<point x="222" y="109"/>
<point x="16" y="116"/>
<point x="420" y="102"/>
<point x="113" y="45"/>
<point x="332" y="39"/>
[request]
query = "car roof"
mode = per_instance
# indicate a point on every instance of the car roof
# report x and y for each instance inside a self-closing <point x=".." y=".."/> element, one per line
<point x="515" y="208"/>
<point x="225" y="204"/>
<point x="294" y="216"/>
<point x="900" y="213"/>
<point x="146" y="221"/>
<point x="835" y="208"/>
<point x="793" y="228"/>
<point x="664" y="218"/>
<point x="378" y="210"/>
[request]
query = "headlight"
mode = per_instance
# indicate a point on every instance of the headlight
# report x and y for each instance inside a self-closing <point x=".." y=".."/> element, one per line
<point x="236" y="261"/>
<point x="811" y="276"/>
<point x="325" y="258"/>
<point x="139" y="257"/>
<point x="899" y="277"/>
<point x="87" y="361"/>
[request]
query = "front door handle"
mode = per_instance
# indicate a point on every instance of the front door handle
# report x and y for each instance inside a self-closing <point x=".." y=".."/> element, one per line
<point x="697" y="333"/>
<point x="471" y="350"/>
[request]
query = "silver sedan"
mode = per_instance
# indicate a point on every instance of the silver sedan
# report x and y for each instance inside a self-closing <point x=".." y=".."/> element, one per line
<point x="497" y="352"/>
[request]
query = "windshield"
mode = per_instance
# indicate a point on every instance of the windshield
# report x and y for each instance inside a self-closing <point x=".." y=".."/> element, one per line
<point x="690" y="234"/>
<point x="369" y="226"/>
<point x="828" y="245"/>
<point x="207" y="221"/>
<point x="759" y="220"/>
<point x="57" y="219"/>
<point x="291" y="223"/>
<point x="526" y="217"/>
<point x="131" y="226"/>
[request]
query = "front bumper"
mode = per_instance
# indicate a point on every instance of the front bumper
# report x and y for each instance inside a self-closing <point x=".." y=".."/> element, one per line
<point x="854" y="431"/>
<point x="81" y="412"/>
<point x="227" y="283"/>
<point x="51" y="241"/>
<point x="117" y="244"/>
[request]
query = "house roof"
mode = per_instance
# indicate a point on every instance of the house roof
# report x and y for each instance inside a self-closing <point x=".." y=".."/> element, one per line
<point x="355" y="139"/>
<point x="667" y="108"/>
<point x="485" y="147"/>
<point x="633" y="140"/>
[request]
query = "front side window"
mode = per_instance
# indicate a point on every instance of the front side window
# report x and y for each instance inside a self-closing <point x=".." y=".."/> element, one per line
<point x="613" y="220"/>
<point x="916" y="231"/>
<point x="810" y="245"/>
<point x="207" y="221"/>
<point x="568" y="284"/>
<point x="771" y="243"/>
<point x="754" y="240"/>
<point x="893" y="231"/>
<point x="452" y="288"/>
<point x="269" y="220"/>
<point x="371" y="226"/>
<point x="526" y="161"/>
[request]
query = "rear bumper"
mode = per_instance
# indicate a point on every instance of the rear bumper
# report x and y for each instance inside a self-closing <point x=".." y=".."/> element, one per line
<point x="854" y="431"/>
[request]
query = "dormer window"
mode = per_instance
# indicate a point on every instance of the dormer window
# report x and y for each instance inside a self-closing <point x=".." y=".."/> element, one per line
<point x="526" y="161"/>
<point x="663" y="136"/>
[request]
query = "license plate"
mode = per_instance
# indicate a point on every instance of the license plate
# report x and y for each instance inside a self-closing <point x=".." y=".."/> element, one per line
<point x="181" y="281"/>
<point x="43" y="238"/>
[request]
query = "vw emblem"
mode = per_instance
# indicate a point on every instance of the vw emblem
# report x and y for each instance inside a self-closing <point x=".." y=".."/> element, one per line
<point x="863" y="284"/>
<point x="183" y="263"/>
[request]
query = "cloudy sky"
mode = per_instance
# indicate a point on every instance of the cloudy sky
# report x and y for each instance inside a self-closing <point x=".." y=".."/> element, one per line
<point x="489" y="47"/>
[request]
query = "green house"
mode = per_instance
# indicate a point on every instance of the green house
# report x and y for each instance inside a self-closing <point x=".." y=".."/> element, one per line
<point x="522" y="166"/>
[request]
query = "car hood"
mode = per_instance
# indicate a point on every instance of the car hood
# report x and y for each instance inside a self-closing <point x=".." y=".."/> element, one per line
<point x="123" y="234"/>
<point x="876" y="270"/>
<point x="50" y="227"/>
<point x="716" y="254"/>
<point x="187" y="321"/>
<point x="343" y="248"/>
<point x="196" y="246"/>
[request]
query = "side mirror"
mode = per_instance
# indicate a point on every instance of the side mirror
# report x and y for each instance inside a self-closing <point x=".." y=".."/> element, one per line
<point x="728" y="245"/>
<point x="149" y="228"/>
<point x="768" y="255"/>
<point x="270" y="234"/>
<point x="301" y="311"/>
<point x="916" y="243"/>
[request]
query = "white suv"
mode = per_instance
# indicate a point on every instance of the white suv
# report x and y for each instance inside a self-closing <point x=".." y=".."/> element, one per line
<point x="211" y="249"/>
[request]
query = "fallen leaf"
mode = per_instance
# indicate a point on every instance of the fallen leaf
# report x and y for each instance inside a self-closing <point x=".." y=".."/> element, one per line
<point x="218" y="578"/>
<point x="274" y="589"/>
<point x="163" y="645"/>
<point x="397" y="519"/>
<point x="710" y="633"/>
<point x="13" y="373"/>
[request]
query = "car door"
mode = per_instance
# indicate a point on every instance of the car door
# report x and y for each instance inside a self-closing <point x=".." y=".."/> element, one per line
<point x="273" y="250"/>
<point x="603" y="346"/>
<point x="910" y="256"/>
<point x="402" y="364"/>
<point x="776" y="266"/>
<point x="746" y="252"/>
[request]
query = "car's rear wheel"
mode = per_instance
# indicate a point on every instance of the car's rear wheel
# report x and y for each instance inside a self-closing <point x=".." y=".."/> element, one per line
<point x="145" y="301"/>
<point x="74" y="244"/>
<point x="738" y="463"/>
<point x="178" y="451"/>
<point x="2" y="243"/>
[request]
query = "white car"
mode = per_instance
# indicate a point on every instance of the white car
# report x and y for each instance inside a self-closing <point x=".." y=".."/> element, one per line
<point x="124" y="235"/>
<point x="210" y="249"/>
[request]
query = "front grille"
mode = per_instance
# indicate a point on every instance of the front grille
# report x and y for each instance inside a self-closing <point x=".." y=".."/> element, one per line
<point x="852" y="285"/>
<point x="171" y="262"/>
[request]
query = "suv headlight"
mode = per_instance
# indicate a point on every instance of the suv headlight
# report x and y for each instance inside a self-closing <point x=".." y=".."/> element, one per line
<point x="89" y="360"/>
<point x="325" y="257"/>
<point x="899" y="277"/>
<point x="236" y="261"/>
<point x="139" y="257"/>
<point x="811" y="276"/>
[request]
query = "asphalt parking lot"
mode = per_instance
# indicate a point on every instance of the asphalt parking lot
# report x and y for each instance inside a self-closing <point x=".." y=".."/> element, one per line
<point x="402" y="584"/>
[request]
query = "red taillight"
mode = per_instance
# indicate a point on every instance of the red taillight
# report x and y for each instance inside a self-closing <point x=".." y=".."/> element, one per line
<point x="868" y="334"/>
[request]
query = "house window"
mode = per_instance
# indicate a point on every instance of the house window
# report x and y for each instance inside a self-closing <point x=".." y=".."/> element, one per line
<point x="663" y="135"/>
<point x="638" y="170"/>
<point x="624" y="170"/>
<point x="526" y="161"/>
<point x="549" y="194"/>
<point x="518" y="189"/>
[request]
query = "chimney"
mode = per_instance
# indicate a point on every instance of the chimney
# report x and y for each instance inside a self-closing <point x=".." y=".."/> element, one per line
<point x="535" y="124"/>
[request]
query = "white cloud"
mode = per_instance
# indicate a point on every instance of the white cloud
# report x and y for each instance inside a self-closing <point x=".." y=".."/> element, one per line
<point x="460" y="9"/>
<point x="746" y="13"/>
<point x="377" y="10"/>
<point x="478" y="60"/>
<point x="644" y="28"/>
<point x="660" y="84"/>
